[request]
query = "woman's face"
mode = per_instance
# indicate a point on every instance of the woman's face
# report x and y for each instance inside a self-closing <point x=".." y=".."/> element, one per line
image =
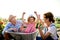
<point x="45" y="19"/>
<point x="31" y="20"/>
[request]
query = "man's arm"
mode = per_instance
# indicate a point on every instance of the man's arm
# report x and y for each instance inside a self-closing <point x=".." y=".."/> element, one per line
<point x="6" y="28"/>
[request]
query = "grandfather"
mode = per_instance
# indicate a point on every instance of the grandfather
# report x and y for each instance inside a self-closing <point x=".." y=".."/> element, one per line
<point x="12" y="25"/>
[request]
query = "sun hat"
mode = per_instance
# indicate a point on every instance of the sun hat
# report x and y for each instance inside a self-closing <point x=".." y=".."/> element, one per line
<point x="11" y="17"/>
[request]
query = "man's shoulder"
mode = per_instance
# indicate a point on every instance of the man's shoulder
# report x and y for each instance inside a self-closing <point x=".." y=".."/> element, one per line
<point x="19" y="21"/>
<point x="9" y="23"/>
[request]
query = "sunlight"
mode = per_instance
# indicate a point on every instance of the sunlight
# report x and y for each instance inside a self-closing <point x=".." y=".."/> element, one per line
<point x="17" y="7"/>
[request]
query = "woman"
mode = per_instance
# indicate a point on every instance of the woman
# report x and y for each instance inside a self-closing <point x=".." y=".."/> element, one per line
<point x="49" y="32"/>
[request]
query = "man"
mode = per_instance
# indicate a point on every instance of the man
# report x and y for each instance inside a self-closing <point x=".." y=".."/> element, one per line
<point x="13" y="25"/>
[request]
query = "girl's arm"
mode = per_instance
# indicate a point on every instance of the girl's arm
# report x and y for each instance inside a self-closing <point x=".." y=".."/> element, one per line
<point x="36" y="16"/>
<point x="23" y="18"/>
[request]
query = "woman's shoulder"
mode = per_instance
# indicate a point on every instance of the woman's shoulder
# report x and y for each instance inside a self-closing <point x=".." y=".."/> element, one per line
<point x="52" y="27"/>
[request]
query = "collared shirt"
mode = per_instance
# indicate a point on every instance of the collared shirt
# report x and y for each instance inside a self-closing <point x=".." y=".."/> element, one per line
<point x="30" y="28"/>
<point x="51" y="29"/>
<point x="10" y="25"/>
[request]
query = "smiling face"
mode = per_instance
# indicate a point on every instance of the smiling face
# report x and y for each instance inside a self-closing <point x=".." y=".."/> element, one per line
<point x="13" y="21"/>
<point x="31" y="19"/>
<point x="48" y="18"/>
<point x="45" y="19"/>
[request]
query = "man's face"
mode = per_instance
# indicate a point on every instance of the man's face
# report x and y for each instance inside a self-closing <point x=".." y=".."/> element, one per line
<point x="13" y="20"/>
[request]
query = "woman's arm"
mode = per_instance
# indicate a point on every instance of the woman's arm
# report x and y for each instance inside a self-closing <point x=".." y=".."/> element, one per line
<point x="40" y="21"/>
<point x="38" y="18"/>
<point x="44" y="36"/>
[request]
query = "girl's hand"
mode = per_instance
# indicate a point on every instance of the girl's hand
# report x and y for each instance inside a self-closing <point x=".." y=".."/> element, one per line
<point x="35" y="12"/>
<point x="23" y="13"/>
<point x="22" y="28"/>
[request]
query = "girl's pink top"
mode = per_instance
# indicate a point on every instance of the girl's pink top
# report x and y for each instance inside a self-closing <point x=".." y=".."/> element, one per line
<point x="30" y="28"/>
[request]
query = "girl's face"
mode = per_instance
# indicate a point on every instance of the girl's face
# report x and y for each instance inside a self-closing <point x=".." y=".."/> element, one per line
<point x="31" y="20"/>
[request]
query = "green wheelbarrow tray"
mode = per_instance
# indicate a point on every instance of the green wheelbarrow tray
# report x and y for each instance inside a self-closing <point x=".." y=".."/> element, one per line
<point x="23" y="36"/>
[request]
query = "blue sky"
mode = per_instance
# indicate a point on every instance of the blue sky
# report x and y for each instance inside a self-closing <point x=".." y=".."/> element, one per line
<point x="17" y="7"/>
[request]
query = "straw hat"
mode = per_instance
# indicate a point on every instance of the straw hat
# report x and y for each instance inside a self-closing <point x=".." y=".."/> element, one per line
<point x="11" y="17"/>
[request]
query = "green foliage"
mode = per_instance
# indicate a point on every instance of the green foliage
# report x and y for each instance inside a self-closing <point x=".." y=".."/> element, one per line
<point x="1" y="25"/>
<point x="19" y="18"/>
<point x="58" y="20"/>
<point x="39" y="25"/>
<point x="57" y="25"/>
<point x="0" y="18"/>
<point x="1" y="28"/>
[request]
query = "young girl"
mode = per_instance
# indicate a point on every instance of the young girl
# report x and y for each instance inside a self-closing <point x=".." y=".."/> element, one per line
<point x="30" y="25"/>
